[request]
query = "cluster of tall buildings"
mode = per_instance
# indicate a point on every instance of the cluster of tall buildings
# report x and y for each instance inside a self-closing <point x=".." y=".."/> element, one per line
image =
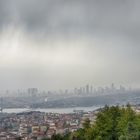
<point x="84" y="90"/>
<point x="88" y="89"/>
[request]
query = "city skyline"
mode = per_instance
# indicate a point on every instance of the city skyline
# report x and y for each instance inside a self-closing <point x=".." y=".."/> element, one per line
<point x="63" y="44"/>
<point x="85" y="89"/>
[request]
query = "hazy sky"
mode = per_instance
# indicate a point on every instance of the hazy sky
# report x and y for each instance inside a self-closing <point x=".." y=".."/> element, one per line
<point x="53" y="44"/>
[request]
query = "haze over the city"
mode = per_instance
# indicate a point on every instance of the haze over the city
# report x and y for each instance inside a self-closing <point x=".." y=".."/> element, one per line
<point x="53" y="44"/>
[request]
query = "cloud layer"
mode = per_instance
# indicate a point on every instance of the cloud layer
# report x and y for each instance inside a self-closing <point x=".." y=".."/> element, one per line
<point x="54" y="44"/>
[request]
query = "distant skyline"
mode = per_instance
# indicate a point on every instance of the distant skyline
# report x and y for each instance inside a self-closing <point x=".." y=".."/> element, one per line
<point x="61" y="44"/>
<point x="80" y="86"/>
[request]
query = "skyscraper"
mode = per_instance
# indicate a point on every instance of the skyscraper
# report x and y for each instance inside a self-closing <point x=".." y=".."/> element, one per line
<point x="87" y="89"/>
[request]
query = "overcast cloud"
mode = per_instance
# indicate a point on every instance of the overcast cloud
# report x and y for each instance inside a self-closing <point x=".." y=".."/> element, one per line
<point x="53" y="44"/>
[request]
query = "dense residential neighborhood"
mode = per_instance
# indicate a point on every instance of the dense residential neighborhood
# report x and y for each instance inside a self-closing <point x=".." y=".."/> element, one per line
<point x="37" y="125"/>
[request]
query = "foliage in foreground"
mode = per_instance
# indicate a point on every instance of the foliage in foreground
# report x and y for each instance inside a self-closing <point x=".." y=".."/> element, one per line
<point x="112" y="123"/>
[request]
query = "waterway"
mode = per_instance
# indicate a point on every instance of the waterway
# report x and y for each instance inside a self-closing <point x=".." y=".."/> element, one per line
<point x="51" y="110"/>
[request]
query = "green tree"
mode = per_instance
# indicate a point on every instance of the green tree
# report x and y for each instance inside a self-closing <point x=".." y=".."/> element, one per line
<point x="112" y="123"/>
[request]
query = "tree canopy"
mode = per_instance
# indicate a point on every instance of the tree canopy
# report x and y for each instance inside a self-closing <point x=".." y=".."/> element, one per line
<point x="112" y="123"/>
